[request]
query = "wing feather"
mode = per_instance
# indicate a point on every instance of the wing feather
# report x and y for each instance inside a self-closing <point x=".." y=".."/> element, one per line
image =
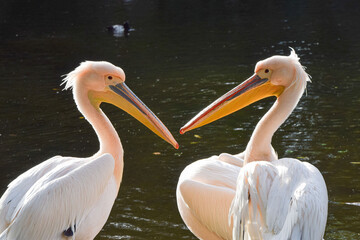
<point x="202" y="198"/>
<point x="283" y="199"/>
<point x="205" y="191"/>
<point x="252" y="188"/>
<point x="18" y="188"/>
<point x="60" y="199"/>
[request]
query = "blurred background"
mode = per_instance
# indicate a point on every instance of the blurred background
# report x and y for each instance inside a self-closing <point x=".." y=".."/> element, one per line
<point x="179" y="57"/>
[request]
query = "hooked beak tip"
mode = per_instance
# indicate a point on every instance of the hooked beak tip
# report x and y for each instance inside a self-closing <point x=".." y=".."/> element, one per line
<point x="176" y="146"/>
<point x="182" y="131"/>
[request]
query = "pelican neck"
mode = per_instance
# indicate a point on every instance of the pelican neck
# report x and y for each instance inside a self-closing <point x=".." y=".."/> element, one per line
<point x="108" y="137"/>
<point x="259" y="147"/>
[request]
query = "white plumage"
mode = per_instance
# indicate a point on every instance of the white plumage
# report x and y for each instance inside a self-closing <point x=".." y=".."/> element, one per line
<point x="254" y="195"/>
<point x="283" y="199"/>
<point x="68" y="197"/>
<point x="58" y="194"/>
<point x="204" y="194"/>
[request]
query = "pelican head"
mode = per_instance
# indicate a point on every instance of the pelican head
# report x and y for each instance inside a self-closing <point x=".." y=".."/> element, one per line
<point x="273" y="76"/>
<point x="104" y="82"/>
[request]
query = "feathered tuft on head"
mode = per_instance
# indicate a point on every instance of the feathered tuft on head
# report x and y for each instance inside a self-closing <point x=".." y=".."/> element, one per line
<point x="293" y="54"/>
<point x="98" y="67"/>
<point x="71" y="77"/>
<point x="295" y="58"/>
<point x="300" y="74"/>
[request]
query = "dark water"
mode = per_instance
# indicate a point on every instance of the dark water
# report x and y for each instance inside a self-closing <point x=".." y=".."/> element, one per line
<point x="181" y="56"/>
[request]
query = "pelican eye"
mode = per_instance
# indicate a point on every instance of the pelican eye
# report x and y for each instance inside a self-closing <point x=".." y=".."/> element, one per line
<point x="109" y="77"/>
<point x="266" y="70"/>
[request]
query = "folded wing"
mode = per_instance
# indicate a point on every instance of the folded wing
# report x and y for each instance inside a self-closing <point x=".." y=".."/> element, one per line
<point x="60" y="199"/>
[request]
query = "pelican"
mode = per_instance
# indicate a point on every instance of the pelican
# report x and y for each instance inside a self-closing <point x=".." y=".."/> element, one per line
<point x="69" y="197"/>
<point x="255" y="195"/>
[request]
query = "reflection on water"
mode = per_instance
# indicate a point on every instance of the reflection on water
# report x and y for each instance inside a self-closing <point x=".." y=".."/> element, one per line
<point x="182" y="56"/>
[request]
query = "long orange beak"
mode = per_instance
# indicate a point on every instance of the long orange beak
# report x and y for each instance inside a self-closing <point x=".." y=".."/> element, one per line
<point x="250" y="91"/>
<point x="121" y="96"/>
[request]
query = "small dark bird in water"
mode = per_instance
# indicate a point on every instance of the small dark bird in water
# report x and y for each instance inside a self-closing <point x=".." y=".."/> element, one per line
<point x="126" y="27"/>
<point x="120" y="30"/>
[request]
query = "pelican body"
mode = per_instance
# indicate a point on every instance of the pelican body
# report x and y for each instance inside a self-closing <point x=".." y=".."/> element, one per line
<point x="255" y="195"/>
<point x="68" y="197"/>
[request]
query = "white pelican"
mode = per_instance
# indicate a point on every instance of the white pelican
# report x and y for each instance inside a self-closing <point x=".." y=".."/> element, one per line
<point x="69" y="197"/>
<point x="255" y="195"/>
